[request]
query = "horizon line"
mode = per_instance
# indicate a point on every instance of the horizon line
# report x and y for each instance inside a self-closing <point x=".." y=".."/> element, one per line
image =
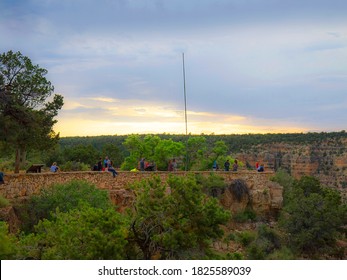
<point x="211" y="134"/>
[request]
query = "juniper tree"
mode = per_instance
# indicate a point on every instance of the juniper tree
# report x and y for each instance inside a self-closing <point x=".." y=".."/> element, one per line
<point x="26" y="117"/>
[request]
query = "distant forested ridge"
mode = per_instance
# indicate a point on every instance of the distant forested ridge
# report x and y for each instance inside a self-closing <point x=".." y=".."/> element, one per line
<point x="235" y="142"/>
<point x="198" y="152"/>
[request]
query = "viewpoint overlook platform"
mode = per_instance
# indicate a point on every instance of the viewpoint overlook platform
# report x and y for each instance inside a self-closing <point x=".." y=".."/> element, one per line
<point x="264" y="196"/>
<point x="24" y="185"/>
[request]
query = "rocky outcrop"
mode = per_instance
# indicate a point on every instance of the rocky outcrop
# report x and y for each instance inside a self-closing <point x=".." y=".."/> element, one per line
<point x="263" y="197"/>
<point x="8" y="215"/>
<point x="326" y="160"/>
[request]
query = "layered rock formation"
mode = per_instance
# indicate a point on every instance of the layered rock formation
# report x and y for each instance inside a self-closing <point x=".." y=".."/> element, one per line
<point x="326" y="160"/>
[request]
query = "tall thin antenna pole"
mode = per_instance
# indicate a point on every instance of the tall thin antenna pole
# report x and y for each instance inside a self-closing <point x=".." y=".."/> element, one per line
<point x="185" y="95"/>
<point x="185" y="110"/>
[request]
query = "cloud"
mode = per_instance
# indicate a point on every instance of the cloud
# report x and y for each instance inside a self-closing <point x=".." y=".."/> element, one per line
<point x="104" y="99"/>
<point x="249" y="64"/>
<point x="137" y="116"/>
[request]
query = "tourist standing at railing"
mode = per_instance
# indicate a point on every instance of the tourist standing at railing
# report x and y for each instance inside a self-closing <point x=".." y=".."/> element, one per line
<point x="227" y="165"/>
<point x="142" y="164"/>
<point x="235" y="165"/>
<point x="170" y="167"/>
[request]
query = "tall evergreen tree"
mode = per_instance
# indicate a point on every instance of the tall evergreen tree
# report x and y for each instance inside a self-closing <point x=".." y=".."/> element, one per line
<point x="26" y="117"/>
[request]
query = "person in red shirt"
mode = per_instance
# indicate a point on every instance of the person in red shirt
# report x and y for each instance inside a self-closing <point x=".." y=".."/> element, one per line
<point x="257" y="165"/>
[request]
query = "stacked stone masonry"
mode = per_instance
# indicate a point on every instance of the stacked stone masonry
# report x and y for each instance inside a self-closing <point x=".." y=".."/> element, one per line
<point x="265" y="195"/>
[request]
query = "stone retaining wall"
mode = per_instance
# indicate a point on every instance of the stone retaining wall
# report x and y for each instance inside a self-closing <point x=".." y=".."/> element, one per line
<point x="265" y="195"/>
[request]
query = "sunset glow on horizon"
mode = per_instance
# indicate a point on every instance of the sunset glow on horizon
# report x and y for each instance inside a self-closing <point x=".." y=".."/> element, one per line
<point x="250" y="66"/>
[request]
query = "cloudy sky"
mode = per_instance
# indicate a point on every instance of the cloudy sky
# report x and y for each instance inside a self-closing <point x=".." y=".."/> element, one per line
<point x="251" y="65"/>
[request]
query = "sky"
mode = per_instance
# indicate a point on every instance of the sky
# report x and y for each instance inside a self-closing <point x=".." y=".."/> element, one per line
<point x="251" y="66"/>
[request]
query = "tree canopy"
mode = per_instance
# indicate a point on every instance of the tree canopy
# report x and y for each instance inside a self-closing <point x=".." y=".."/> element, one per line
<point x="312" y="217"/>
<point x="26" y="116"/>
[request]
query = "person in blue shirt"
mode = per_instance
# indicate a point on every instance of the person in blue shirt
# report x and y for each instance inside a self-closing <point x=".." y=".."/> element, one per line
<point x="106" y="162"/>
<point x="54" y="167"/>
<point x="215" y="166"/>
<point x="260" y="168"/>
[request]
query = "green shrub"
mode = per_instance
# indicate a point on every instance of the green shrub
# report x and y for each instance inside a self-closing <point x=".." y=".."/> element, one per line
<point x="63" y="196"/>
<point x="179" y="224"/>
<point x="284" y="253"/>
<point x="245" y="216"/>
<point x="3" y="202"/>
<point x="256" y="250"/>
<point x="283" y="178"/>
<point x="213" y="185"/>
<point x="6" y="165"/>
<point x="313" y="217"/>
<point x="246" y="237"/>
<point x="83" y="233"/>
<point x="8" y="246"/>
<point x="212" y="181"/>
<point x="265" y="243"/>
<point x="234" y="256"/>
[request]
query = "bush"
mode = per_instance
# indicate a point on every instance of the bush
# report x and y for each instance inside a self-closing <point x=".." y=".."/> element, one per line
<point x="214" y="185"/>
<point x="84" y="233"/>
<point x="63" y="196"/>
<point x="245" y="216"/>
<point x="3" y="202"/>
<point x="6" y="165"/>
<point x="7" y="243"/>
<point x="246" y="237"/>
<point x="283" y="178"/>
<point x="234" y="256"/>
<point x="266" y="242"/>
<point x="212" y="181"/>
<point x="284" y="253"/>
<point x="179" y="224"/>
<point x="313" y="217"/>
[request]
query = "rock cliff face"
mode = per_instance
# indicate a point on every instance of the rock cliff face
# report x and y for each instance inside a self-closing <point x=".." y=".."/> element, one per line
<point x="326" y="160"/>
<point x="264" y="198"/>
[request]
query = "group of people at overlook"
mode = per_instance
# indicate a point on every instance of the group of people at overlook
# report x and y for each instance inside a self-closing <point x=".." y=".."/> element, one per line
<point x="144" y="165"/>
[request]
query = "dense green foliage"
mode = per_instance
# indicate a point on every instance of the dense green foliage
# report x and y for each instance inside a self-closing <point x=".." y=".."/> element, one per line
<point x="313" y="216"/>
<point x="283" y="178"/>
<point x="266" y="242"/>
<point x="3" y="202"/>
<point x="64" y="197"/>
<point x="26" y="118"/>
<point x="8" y="247"/>
<point x="310" y="224"/>
<point x="175" y="220"/>
<point x="178" y="219"/>
<point x="178" y="225"/>
<point x="195" y="152"/>
<point x="83" y="233"/>
<point x="153" y="149"/>
<point x="234" y="142"/>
